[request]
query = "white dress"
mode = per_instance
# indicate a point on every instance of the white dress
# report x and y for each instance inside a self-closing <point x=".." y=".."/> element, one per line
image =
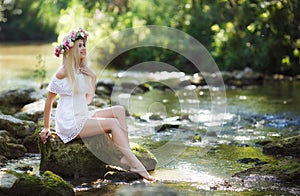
<point x="72" y="110"/>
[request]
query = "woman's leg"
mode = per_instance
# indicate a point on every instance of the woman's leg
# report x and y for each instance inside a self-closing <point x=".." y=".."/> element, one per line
<point x="95" y="126"/>
<point x="117" y="112"/>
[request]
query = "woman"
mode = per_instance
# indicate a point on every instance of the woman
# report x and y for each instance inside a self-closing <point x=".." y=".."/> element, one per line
<point x="74" y="82"/>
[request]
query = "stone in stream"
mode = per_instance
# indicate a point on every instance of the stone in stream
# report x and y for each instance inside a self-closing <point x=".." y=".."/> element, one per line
<point x="16" y="127"/>
<point x="15" y="183"/>
<point x="74" y="159"/>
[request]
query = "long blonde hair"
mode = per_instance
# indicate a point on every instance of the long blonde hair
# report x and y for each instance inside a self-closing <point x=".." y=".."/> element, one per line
<point x="72" y="63"/>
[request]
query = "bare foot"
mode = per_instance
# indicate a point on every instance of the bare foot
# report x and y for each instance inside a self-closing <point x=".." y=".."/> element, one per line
<point x="143" y="173"/>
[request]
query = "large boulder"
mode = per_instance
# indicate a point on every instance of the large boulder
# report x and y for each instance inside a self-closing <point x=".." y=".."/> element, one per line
<point x="16" y="127"/>
<point x="13" y="183"/>
<point x="90" y="157"/>
<point x="12" y="100"/>
<point x="32" y="111"/>
<point x="19" y="96"/>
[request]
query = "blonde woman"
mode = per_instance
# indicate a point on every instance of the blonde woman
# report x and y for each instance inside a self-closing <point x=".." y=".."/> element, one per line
<point x="74" y="82"/>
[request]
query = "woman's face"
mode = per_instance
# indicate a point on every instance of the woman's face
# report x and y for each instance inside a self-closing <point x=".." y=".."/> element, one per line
<point x="82" y="49"/>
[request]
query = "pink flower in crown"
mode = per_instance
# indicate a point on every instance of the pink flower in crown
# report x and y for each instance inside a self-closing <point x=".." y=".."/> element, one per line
<point x="73" y="35"/>
<point x="56" y="51"/>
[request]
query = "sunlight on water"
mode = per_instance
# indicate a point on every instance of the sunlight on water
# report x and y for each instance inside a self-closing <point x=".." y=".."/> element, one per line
<point x="184" y="174"/>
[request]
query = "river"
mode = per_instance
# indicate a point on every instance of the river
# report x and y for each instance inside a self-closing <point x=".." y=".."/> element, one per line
<point x="253" y="114"/>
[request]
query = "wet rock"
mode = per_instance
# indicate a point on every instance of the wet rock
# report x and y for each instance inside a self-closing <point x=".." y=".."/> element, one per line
<point x="75" y="159"/>
<point x="256" y="161"/>
<point x="32" y="111"/>
<point x="164" y="127"/>
<point x="16" y="127"/>
<point x="117" y="174"/>
<point x="197" y="79"/>
<point x="289" y="146"/>
<point x="155" y="117"/>
<point x="13" y="183"/>
<point x="146" y="190"/>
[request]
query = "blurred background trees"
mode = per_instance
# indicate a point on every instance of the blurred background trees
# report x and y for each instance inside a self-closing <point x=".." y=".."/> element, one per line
<point x="261" y="34"/>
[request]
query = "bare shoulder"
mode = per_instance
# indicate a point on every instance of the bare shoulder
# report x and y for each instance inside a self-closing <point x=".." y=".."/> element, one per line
<point x="61" y="73"/>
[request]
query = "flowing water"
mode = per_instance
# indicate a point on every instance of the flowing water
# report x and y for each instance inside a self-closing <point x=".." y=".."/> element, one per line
<point x="192" y="167"/>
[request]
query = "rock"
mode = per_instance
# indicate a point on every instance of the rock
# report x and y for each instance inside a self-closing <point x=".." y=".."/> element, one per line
<point x="257" y="161"/>
<point x="106" y="82"/>
<point x="197" y="79"/>
<point x="3" y="161"/>
<point x="284" y="170"/>
<point x="12" y="150"/>
<point x="30" y="143"/>
<point x="100" y="102"/>
<point x="196" y="138"/>
<point x="13" y="183"/>
<point x="7" y="180"/>
<point x="241" y="78"/>
<point x="18" y="96"/>
<point x="74" y="159"/>
<point x="32" y="111"/>
<point x="284" y="147"/>
<point x="155" y="117"/>
<point x="133" y="88"/>
<point x="5" y="136"/>
<point x="117" y="174"/>
<point x="104" y="88"/>
<point x="16" y="127"/>
<point x="165" y="127"/>
<point x="146" y="190"/>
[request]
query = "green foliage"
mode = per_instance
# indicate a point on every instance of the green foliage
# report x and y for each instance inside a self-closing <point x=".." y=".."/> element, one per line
<point x="260" y="34"/>
<point x="40" y="71"/>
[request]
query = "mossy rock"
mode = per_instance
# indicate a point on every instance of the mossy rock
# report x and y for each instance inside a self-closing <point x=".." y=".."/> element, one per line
<point x="14" y="183"/>
<point x="289" y="146"/>
<point x="284" y="170"/>
<point x="88" y="157"/>
<point x="12" y="150"/>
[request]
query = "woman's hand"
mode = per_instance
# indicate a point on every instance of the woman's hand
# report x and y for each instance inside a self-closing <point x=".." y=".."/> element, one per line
<point x="87" y="71"/>
<point x="45" y="133"/>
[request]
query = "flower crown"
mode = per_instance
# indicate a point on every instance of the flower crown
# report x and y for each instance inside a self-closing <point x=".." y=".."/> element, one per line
<point x="69" y="43"/>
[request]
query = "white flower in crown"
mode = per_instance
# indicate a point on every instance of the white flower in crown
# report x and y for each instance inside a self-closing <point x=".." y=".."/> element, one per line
<point x="62" y="51"/>
<point x="71" y="44"/>
<point x="82" y="34"/>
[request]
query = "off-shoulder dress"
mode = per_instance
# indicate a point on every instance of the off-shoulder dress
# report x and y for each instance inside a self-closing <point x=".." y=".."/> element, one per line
<point x="72" y="109"/>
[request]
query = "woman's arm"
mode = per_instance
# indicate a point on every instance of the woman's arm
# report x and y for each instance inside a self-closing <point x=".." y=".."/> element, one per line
<point x="45" y="133"/>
